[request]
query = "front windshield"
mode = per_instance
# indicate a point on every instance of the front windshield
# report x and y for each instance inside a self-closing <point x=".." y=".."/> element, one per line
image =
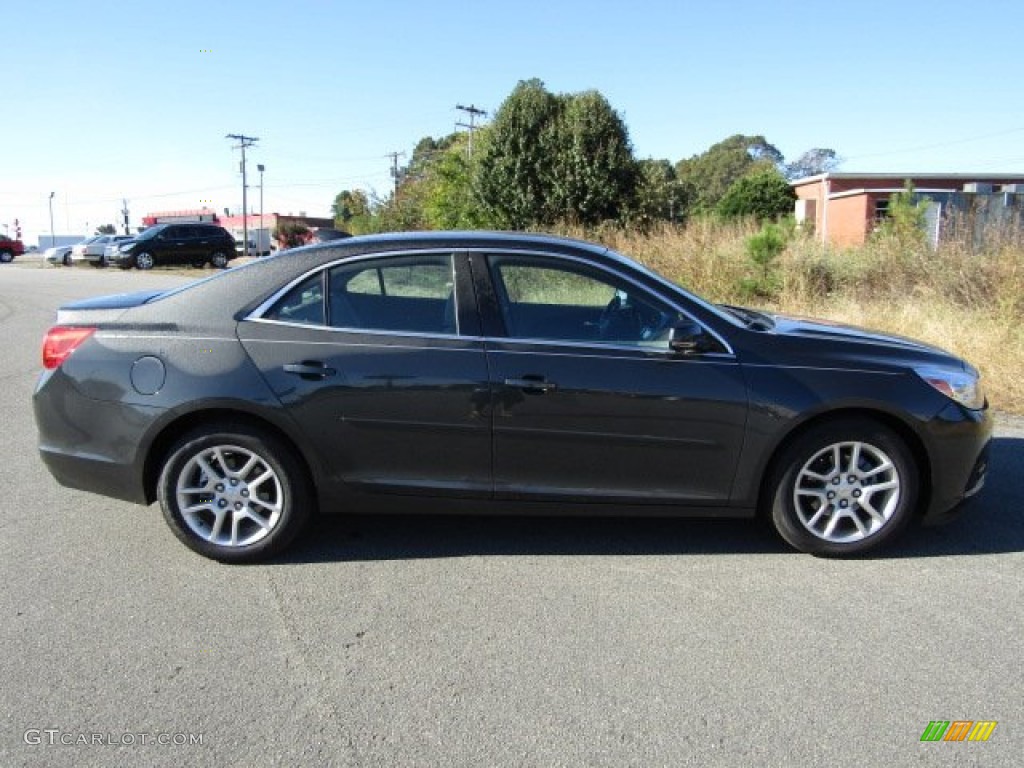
<point x="703" y="303"/>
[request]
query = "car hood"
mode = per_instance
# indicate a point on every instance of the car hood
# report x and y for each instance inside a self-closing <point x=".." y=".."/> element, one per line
<point x="794" y="327"/>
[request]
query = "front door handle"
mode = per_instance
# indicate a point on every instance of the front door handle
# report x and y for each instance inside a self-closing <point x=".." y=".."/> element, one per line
<point x="532" y="384"/>
<point x="311" y="370"/>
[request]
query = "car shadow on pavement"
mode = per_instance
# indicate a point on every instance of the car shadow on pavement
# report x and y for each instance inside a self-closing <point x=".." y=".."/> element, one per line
<point x="991" y="524"/>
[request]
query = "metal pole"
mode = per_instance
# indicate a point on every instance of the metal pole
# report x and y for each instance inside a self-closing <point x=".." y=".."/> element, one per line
<point x="53" y="239"/>
<point x="259" y="246"/>
<point x="243" y="142"/>
<point x="245" y="208"/>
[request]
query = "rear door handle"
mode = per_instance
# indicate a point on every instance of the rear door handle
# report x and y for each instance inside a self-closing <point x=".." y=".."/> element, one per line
<point x="532" y="384"/>
<point x="311" y="370"/>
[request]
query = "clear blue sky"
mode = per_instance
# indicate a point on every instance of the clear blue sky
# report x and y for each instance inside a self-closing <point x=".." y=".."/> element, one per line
<point x="104" y="100"/>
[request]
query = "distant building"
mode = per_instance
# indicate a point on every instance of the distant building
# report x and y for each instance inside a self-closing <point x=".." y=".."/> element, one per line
<point x="845" y="208"/>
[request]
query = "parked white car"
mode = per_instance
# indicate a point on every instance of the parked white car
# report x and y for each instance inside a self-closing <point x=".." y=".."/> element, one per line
<point x="94" y="249"/>
<point x="58" y="255"/>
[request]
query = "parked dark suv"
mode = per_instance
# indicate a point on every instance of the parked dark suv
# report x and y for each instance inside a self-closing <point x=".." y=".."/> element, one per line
<point x="195" y="244"/>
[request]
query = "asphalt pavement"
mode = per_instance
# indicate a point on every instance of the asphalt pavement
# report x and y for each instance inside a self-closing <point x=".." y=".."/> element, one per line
<point x="435" y="641"/>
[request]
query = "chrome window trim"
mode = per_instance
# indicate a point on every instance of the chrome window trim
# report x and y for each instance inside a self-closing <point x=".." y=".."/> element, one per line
<point x="608" y="270"/>
<point x="503" y="249"/>
<point x="257" y="314"/>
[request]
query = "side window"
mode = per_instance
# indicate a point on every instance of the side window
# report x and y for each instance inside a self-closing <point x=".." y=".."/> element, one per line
<point x="414" y="294"/>
<point x="302" y="304"/>
<point x="547" y="299"/>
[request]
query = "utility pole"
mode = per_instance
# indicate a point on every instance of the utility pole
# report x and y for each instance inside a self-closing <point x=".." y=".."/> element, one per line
<point x="124" y="212"/>
<point x="52" y="238"/>
<point x="473" y="112"/>
<point x="243" y="143"/>
<point x="394" y="168"/>
<point x="259" y="244"/>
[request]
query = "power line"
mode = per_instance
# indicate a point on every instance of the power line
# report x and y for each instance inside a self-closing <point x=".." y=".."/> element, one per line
<point x="911" y="150"/>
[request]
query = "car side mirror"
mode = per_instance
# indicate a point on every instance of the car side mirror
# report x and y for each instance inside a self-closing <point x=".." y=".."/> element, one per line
<point x="687" y="338"/>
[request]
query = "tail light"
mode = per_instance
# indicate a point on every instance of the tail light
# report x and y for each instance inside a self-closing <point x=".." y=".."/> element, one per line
<point x="61" y="341"/>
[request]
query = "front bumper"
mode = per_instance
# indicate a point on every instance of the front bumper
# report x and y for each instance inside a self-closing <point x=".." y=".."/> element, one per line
<point x="959" y="441"/>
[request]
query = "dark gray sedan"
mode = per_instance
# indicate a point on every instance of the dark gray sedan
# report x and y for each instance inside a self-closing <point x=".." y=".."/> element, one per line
<point x="483" y="372"/>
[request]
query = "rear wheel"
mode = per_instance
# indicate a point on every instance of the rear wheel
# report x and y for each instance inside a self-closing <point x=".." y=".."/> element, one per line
<point x="844" y="487"/>
<point x="219" y="260"/>
<point x="234" y="494"/>
<point x="100" y="262"/>
<point x="67" y="259"/>
<point x="6" y="257"/>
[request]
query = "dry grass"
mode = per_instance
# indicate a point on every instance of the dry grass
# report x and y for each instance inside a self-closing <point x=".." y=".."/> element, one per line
<point x="963" y="297"/>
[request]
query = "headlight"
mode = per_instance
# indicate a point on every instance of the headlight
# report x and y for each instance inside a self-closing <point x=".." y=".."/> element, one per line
<point x="124" y="248"/>
<point x="962" y="386"/>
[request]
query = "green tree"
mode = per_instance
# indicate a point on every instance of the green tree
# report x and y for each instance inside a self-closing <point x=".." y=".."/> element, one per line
<point x="351" y="209"/>
<point x="658" y="195"/>
<point x="764" y="249"/>
<point x="711" y="173"/>
<point x="516" y="153"/>
<point x="551" y="158"/>
<point x="291" y="234"/>
<point x="812" y="162"/>
<point x="905" y="218"/>
<point x="106" y="229"/>
<point x="451" y="200"/>
<point x="763" y="194"/>
<point x="592" y="173"/>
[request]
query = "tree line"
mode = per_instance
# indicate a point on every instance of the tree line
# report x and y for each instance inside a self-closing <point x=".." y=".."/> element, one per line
<point x="548" y="159"/>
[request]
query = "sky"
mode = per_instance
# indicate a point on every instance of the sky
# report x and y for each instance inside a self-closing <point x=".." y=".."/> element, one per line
<point x="103" y="101"/>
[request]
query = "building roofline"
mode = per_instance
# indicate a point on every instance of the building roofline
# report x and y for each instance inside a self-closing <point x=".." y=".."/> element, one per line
<point x="967" y="177"/>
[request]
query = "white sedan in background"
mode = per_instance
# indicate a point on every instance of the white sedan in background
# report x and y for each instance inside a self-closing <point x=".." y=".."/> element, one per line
<point x="94" y="249"/>
<point x="58" y="255"/>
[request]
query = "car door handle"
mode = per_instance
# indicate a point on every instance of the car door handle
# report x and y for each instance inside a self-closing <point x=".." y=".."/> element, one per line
<point x="532" y="384"/>
<point x="311" y="370"/>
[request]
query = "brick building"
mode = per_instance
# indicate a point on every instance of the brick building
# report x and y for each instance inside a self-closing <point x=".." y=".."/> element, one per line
<point x="846" y="207"/>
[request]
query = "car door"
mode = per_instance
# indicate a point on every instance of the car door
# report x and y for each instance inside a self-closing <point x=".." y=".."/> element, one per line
<point x="590" y="402"/>
<point x="173" y="245"/>
<point x="380" y="363"/>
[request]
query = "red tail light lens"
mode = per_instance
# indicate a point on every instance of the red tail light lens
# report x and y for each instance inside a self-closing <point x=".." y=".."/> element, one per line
<point x="61" y="341"/>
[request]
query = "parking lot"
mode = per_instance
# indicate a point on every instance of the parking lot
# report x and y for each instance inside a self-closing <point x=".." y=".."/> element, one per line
<point x="434" y="641"/>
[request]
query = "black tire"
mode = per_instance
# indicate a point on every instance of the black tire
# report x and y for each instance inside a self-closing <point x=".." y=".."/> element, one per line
<point x="144" y="260"/>
<point x="218" y="260"/>
<point x="6" y="257"/>
<point x="283" y="501"/>
<point x="100" y="263"/>
<point x="67" y="259"/>
<point x="827" y="507"/>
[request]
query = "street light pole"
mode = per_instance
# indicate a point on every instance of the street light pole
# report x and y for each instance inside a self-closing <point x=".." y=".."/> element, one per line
<point x="53" y="239"/>
<point x="259" y="244"/>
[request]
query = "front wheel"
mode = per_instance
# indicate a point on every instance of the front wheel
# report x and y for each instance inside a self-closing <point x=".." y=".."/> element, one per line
<point x="100" y="262"/>
<point x="144" y="260"/>
<point x="234" y="494"/>
<point x="6" y="257"/>
<point x="844" y="487"/>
